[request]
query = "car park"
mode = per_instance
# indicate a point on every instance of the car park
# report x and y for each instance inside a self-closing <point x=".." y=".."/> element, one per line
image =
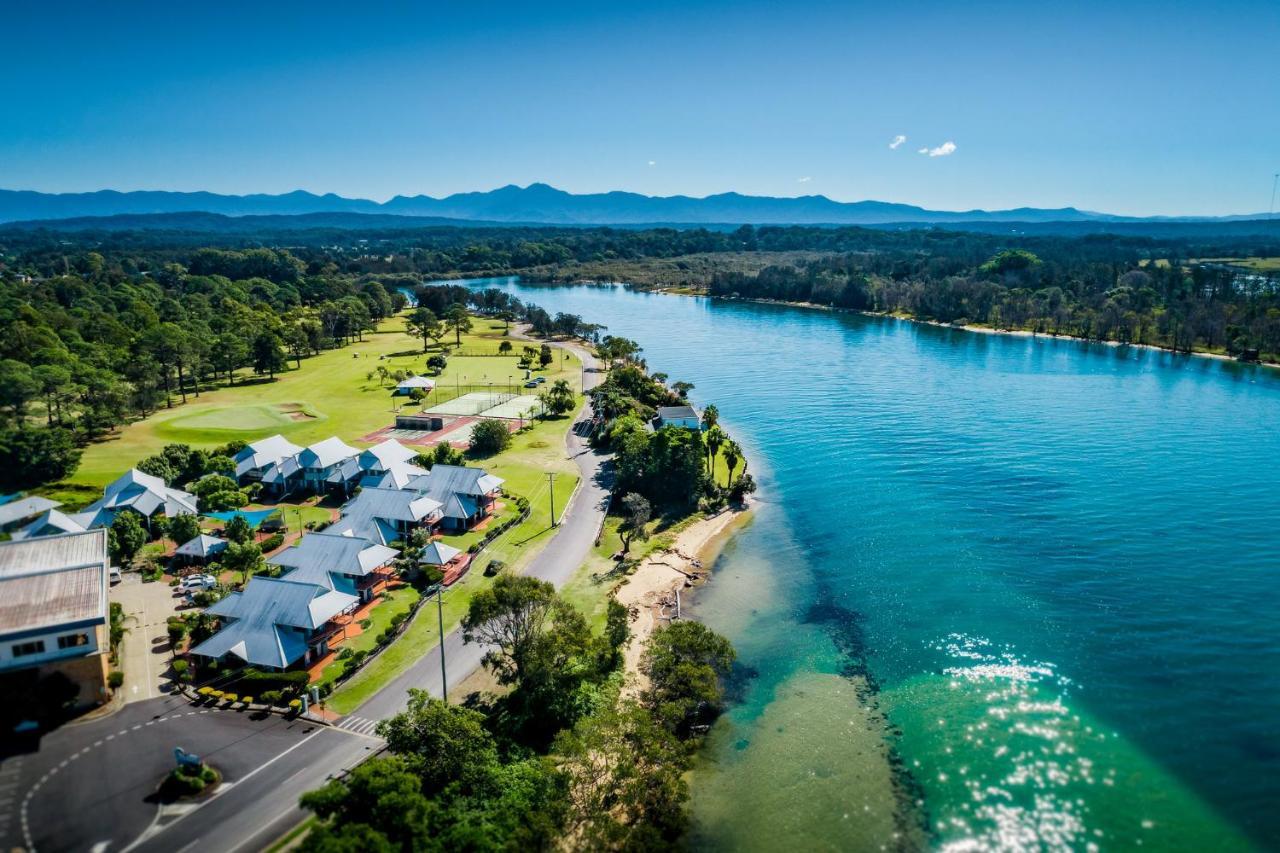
<point x="194" y="583"/>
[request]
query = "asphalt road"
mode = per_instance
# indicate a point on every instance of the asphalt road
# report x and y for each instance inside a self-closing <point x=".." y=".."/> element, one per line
<point x="88" y="786"/>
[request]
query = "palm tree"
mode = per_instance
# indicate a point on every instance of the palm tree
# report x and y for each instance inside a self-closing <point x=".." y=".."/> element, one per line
<point x="710" y="416"/>
<point x="715" y="438"/>
<point x="732" y="456"/>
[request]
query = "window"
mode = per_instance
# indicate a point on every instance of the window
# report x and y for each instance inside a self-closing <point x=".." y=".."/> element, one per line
<point x="71" y="641"/>
<point x="34" y="647"/>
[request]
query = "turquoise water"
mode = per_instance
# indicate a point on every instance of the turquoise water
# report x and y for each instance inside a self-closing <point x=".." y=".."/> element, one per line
<point x="1051" y="565"/>
<point x="255" y="517"/>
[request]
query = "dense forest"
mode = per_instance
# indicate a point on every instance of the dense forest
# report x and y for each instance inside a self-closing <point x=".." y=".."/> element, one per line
<point x="97" y="328"/>
<point x="1086" y="289"/>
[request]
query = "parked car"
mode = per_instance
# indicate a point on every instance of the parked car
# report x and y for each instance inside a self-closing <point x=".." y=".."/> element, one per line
<point x="540" y="379"/>
<point x="114" y="574"/>
<point x="191" y="583"/>
<point x="532" y="383"/>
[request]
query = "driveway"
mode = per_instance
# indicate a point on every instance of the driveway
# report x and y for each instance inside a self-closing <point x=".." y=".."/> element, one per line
<point x="90" y="785"/>
<point x="144" y="652"/>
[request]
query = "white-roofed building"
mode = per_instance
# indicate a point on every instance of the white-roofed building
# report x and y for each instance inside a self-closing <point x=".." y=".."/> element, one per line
<point x="379" y="458"/>
<point x="201" y="549"/>
<point x="329" y="465"/>
<point x="257" y="457"/>
<point x="53" y="610"/>
<point x="413" y="383"/>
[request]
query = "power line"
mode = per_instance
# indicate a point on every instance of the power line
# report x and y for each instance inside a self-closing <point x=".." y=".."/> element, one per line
<point x="1275" y="181"/>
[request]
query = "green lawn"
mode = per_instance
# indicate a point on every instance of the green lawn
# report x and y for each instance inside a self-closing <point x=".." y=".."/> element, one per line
<point x="330" y="394"/>
<point x="394" y="602"/>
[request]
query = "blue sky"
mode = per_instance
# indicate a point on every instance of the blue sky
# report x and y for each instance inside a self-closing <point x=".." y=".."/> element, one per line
<point x="1136" y="108"/>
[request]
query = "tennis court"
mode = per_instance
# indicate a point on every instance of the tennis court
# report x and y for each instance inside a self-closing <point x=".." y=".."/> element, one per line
<point x="524" y="406"/>
<point x="475" y="403"/>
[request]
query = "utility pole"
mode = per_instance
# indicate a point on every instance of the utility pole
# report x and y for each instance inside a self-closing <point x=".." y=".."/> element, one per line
<point x="444" y="678"/>
<point x="1275" y="181"/>
<point x="551" y="480"/>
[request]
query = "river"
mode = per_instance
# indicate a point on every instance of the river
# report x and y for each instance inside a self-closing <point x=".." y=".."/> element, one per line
<point x="1043" y="572"/>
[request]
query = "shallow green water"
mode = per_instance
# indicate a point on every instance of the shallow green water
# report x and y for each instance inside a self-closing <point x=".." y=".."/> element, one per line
<point x="1055" y="563"/>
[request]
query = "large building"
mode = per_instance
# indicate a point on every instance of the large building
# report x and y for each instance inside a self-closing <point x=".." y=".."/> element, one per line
<point x="53" y="610"/>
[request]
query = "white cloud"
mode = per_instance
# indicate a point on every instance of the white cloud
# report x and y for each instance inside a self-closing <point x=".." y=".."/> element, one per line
<point x="806" y="179"/>
<point x="942" y="150"/>
<point x="897" y="140"/>
<point x="653" y="162"/>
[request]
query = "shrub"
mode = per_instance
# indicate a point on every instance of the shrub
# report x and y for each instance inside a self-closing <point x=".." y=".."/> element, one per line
<point x="345" y="652"/>
<point x="295" y="704"/>
<point x="180" y="666"/>
<point x="248" y="700"/>
<point x="271" y="697"/>
<point x="186" y="786"/>
<point x="365" y="623"/>
<point x="216" y="694"/>
<point x="231" y="697"/>
<point x="205" y="691"/>
<point x="398" y="619"/>
<point x="490" y="436"/>
<point x="493" y="568"/>
<point x="115" y="679"/>
<point x="271" y="542"/>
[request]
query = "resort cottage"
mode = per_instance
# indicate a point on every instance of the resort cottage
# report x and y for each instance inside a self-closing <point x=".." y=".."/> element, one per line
<point x="678" y="416"/>
<point x="135" y="491"/>
<point x="342" y="563"/>
<point x="275" y="623"/>
<point x="465" y="495"/>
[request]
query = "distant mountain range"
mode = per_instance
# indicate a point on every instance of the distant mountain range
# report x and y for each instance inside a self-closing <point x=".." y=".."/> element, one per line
<point x="541" y="205"/>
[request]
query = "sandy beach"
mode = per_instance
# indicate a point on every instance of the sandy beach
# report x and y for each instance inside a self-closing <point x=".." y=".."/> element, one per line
<point x="650" y="592"/>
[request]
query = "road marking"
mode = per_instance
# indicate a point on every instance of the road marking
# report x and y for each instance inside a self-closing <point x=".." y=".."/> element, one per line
<point x="153" y="830"/>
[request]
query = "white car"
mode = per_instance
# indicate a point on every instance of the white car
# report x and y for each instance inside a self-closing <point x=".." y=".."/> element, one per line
<point x="192" y="583"/>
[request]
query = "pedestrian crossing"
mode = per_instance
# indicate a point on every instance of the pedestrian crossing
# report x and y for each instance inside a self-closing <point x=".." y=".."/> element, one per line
<point x="359" y="725"/>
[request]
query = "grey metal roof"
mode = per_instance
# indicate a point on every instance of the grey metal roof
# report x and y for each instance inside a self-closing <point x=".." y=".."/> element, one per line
<point x="334" y="553"/>
<point x="457" y="488"/>
<point x="389" y="504"/>
<point x="257" y="644"/>
<point x="203" y="545"/>
<point x="264" y="452"/>
<point x="24" y="508"/>
<point x="53" y="580"/>
<point x="141" y="493"/>
<point x="322" y="454"/>
<point x="438" y="554"/>
<point x="676" y="413"/>
<point x="48" y="523"/>
<point x="382" y="456"/>
<point x="297" y="605"/>
<point x="397" y="476"/>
